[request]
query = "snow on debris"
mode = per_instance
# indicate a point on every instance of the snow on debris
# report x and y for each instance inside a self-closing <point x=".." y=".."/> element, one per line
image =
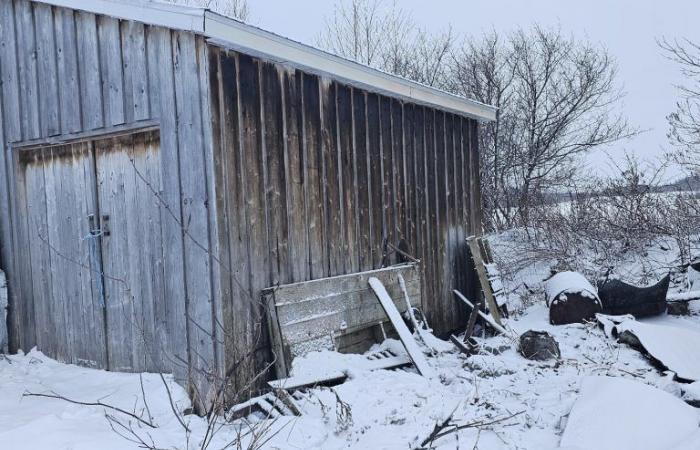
<point x="675" y="347"/>
<point x="570" y="283"/>
<point x="619" y="414"/>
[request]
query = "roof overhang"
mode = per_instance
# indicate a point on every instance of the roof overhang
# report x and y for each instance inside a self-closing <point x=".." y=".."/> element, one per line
<point x="230" y="33"/>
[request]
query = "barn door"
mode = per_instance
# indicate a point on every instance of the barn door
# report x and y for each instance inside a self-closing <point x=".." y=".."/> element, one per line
<point x="59" y="185"/>
<point x="128" y="195"/>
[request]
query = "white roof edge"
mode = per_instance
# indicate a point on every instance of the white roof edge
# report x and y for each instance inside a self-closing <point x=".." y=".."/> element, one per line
<point x="231" y="33"/>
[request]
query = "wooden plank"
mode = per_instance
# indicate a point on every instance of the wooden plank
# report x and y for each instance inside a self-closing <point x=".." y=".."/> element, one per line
<point x="398" y="175"/>
<point x="450" y="233"/>
<point x="362" y="172"/>
<point x="441" y="275"/>
<point x="421" y="197"/>
<point x="133" y="43"/>
<point x="409" y="185"/>
<point x="194" y="205"/>
<point x="374" y="157"/>
<point x="68" y="71"/>
<point x="347" y="169"/>
<point x="295" y="176"/>
<point x="414" y="352"/>
<point x="12" y="131"/>
<point x="387" y="177"/>
<point x="276" y="339"/>
<point x="252" y="163"/>
<point x="91" y="95"/>
<point x="171" y="330"/>
<point x="237" y="311"/>
<point x="28" y="82"/>
<point x="315" y="214"/>
<point x="47" y="70"/>
<point x="433" y="310"/>
<point x="111" y="70"/>
<point x="335" y="377"/>
<point x="332" y="177"/>
<point x="271" y="119"/>
<point x="483" y="278"/>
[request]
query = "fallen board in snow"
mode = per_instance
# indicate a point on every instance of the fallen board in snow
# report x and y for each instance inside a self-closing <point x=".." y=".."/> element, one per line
<point x="478" y="254"/>
<point x="338" y="376"/>
<point x="675" y="348"/>
<point x="338" y="313"/>
<point x="414" y="352"/>
<point x="620" y="414"/>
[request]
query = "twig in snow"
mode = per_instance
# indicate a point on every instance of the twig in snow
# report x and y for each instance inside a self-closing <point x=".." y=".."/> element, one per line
<point x="98" y="403"/>
<point x="441" y="430"/>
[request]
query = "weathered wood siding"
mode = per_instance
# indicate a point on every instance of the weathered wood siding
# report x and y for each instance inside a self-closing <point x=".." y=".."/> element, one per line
<point x="314" y="178"/>
<point x="65" y="71"/>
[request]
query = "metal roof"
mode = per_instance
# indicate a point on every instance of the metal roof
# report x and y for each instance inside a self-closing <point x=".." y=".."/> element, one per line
<point x="236" y="35"/>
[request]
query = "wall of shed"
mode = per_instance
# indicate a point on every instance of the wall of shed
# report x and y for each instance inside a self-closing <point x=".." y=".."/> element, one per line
<point x="313" y="177"/>
<point x="66" y="71"/>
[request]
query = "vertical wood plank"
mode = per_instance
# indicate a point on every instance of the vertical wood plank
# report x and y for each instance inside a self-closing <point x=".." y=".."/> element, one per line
<point x="171" y="329"/>
<point x="111" y="70"/>
<point x="68" y="71"/>
<point x="387" y="177"/>
<point x="135" y="71"/>
<point x="409" y="185"/>
<point x="89" y="71"/>
<point x="374" y="160"/>
<point x="398" y="176"/>
<point x="421" y="198"/>
<point x="431" y="229"/>
<point x="347" y="166"/>
<point x="272" y="118"/>
<point x="314" y="177"/>
<point x="12" y="131"/>
<point x="450" y="225"/>
<point x="332" y="177"/>
<point x="362" y="166"/>
<point x="47" y="71"/>
<point x="440" y="225"/>
<point x="254" y="199"/>
<point x="194" y="211"/>
<point x="28" y="83"/>
<point x="295" y="175"/>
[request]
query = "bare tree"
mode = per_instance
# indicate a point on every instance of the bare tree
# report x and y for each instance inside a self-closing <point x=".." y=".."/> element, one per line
<point x="384" y="36"/>
<point x="684" y="122"/>
<point x="237" y="9"/>
<point x="557" y="100"/>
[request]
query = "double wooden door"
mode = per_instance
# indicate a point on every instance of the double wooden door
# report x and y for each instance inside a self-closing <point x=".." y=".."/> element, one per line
<point x="93" y="212"/>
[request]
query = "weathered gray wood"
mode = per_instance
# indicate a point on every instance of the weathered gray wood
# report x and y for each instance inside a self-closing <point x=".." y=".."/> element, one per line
<point x="88" y="45"/>
<point x="136" y="75"/>
<point x="68" y="71"/>
<point x="194" y="210"/>
<point x="305" y="315"/>
<point x="111" y="62"/>
<point x="172" y="328"/>
<point x="12" y="131"/>
<point x="475" y="250"/>
<point x="47" y="70"/>
<point x="28" y="84"/>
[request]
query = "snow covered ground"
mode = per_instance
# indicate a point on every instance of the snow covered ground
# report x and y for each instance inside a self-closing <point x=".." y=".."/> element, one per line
<point x="503" y="400"/>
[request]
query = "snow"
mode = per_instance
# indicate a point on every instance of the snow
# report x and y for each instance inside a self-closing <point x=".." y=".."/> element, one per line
<point x="675" y="347"/>
<point x="394" y="409"/>
<point x="619" y="414"/>
<point x="570" y="283"/>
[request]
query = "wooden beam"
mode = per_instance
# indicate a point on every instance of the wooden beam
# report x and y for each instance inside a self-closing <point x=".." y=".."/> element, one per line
<point x="498" y="327"/>
<point x="415" y="353"/>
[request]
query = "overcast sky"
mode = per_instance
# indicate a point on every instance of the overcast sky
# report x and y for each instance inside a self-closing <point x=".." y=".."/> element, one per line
<point x="628" y="29"/>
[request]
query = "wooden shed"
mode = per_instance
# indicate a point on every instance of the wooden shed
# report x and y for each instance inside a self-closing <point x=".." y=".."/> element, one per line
<point x="163" y="165"/>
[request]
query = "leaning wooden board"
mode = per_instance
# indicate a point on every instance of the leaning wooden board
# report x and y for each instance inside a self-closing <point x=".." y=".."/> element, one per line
<point x="331" y="313"/>
<point x="414" y="352"/>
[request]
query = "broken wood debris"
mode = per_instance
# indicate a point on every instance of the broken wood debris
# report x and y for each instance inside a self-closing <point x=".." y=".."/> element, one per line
<point x="490" y="320"/>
